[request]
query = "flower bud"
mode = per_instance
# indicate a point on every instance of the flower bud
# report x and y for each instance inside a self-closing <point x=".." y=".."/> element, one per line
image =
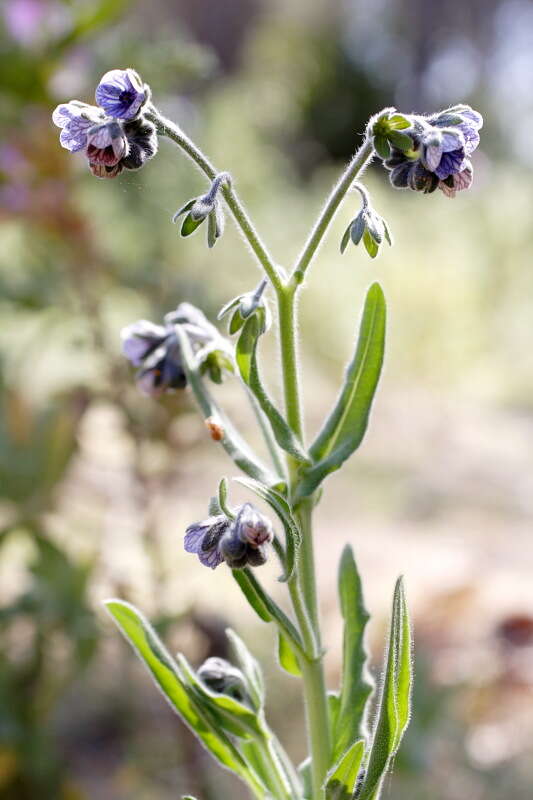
<point x="222" y="677"/>
<point x="207" y="206"/>
<point x="368" y="226"/>
<point x="244" y="305"/>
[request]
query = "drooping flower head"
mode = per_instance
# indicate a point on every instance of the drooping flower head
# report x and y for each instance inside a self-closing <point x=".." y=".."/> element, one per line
<point x="114" y="135"/>
<point x="430" y="152"/>
<point x="239" y="542"/>
<point x="121" y="93"/>
<point x="156" y="349"/>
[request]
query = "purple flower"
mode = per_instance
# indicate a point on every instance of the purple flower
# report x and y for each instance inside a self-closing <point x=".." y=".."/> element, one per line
<point x="75" y="119"/>
<point x="439" y="158"/>
<point x="140" y="339"/>
<point x="239" y="542"/>
<point x="106" y="144"/>
<point x="203" y="538"/>
<point x="156" y="348"/>
<point x="121" y="93"/>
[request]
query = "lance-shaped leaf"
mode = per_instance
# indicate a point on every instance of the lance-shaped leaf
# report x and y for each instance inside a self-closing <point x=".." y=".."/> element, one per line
<point x="250" y="668"/>
<point x="246" y="357"/>
<point x="266" y="608"/>
<point x="166" y="675"/>
<point x="395" y="699"/>
<point x="346" y="425"/>
<point x="234" y="716"/>
<point x="356" y="686"/>
<point x="231" y="441"/>
<point x="293" y="535"/>
<point x="341" y="778"/>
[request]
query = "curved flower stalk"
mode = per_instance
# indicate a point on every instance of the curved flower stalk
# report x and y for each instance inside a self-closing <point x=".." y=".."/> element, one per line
<point x="222" y="702"/>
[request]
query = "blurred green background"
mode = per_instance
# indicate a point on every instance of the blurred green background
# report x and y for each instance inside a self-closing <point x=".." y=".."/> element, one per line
<point x="97" y="483"/>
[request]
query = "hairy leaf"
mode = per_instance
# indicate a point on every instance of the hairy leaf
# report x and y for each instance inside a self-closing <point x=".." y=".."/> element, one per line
<point x="356" y="686"/>
<point x="342" y="777"/>
<point x="395" y="699"/>
<point x="346" y="425"/>
<point x="165" y="672"/>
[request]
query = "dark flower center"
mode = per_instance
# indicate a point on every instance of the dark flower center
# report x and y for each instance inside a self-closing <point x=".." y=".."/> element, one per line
<point x="127" y="97"/>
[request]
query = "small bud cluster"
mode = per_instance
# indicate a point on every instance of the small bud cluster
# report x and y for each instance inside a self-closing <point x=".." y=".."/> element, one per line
<point x="424" y="153"/>
<point x="246" y="305"/>
<point x="155" y="349"/>
<point x="207" y="206"/>
<point x="114" y="134"/>
<point x="368" y="225"/>
<point x="240" y="542"/>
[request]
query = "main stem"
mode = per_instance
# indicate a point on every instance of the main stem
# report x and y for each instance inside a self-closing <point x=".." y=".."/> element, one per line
<point x="316" y="704"/>
<point x="165" y="127"/>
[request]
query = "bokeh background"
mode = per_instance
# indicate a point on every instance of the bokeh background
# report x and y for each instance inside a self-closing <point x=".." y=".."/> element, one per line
<point x="97" y="483"/>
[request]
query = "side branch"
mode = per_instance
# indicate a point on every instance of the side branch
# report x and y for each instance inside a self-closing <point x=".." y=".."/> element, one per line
<point x="166" y="127"/>
<point x="353" y="171"/>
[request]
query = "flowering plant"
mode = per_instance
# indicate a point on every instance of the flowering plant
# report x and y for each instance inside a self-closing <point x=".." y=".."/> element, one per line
<point x="224" y="703"/>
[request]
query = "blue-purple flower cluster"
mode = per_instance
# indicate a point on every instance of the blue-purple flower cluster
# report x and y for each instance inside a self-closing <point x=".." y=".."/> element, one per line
<point x="240" y="542"/>
<point x="156" y="351"/>
<point x="440" y="153"/>
<point x="113" y="134"/>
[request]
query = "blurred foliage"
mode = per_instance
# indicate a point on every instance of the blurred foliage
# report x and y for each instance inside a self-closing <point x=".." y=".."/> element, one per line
<point x="96" y="482"/>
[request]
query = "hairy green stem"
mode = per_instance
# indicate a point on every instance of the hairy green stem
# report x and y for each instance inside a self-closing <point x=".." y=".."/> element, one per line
<point x="354" y="169"/>
<point x="316" y="704"/>
<point x="166" y="127"/>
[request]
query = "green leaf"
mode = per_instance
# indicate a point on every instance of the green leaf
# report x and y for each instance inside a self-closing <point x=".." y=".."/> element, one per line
<point x="381" y="146"/>
<point x="334" y="704"/>
<point x="232" y="442"/>
<point x="358" y="227"/>
<point x="222" y="498"/>
<point x="356" y="686"/>
<point x="287" y="657"/>
<point x="265" y="607"/>
<point x="236" y="322"/>
<point x="235" y="717"/>
<point x="346" y="425"/>
<point x="212" y="230"/>
<point x="399" y="122"/>
<point x="293" y="534"/>
<point x="183" y="210"/>
<point x="400" y="140"/>
<point x="371" y="245"/>
<point x="395" y="699"/>
<point x="165" y="672"/>
<point x="190" y="224"/>
<point x="250" y="668"/>
<point x="346" y="237"/>
<point x="251" y="595"/>
<point x="341" y="778"/>
<point x="246" y="357"/>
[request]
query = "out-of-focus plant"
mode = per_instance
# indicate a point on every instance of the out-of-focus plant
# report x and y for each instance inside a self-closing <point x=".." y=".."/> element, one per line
<point x="224" y="703"/>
